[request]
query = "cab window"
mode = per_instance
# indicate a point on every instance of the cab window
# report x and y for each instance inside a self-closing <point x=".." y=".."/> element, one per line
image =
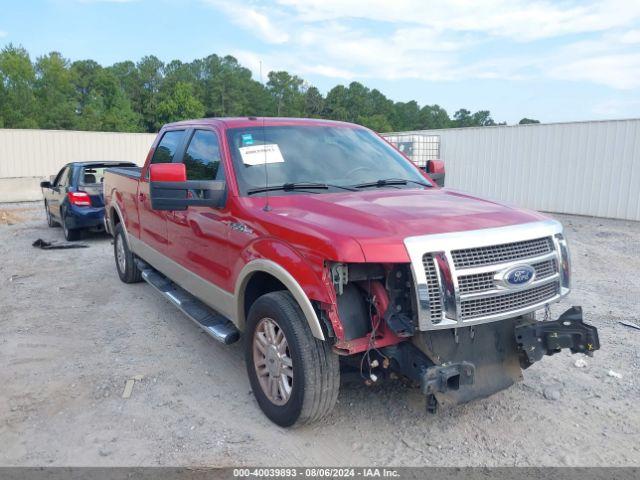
<point x="169" y="144"/>
<point x="202" y="159"/>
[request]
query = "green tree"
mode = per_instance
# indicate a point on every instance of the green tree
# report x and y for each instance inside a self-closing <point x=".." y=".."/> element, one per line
<point x="141" y="97"/>
<point x="55" y="92"/>
<point x="526" y="121"/>
<point x="406" y="116"/>
<point x="150" y="73"/>
<point x="128" y="76"/>
<point x="101" y="102"/>
<point x="287" y="93"/>
<point x="313" y="103"/>
<point x="179" y="104"/>
<point x="433" y="117"/>
<point x="335" y="105"/>
<point x="376" y="122"/>
<point x="88" y="103"/>
<point x="482" y="118"/>
<point x="462" y="118"/>
<point x="18" y="107"/>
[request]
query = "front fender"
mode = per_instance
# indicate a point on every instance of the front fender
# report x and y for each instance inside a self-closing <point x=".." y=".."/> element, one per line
<point x="291" y="269"/>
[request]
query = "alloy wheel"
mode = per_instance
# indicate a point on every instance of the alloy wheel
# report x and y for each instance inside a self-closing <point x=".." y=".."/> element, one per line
<point x="272" y="361"/>
<point x="121" y="254"/>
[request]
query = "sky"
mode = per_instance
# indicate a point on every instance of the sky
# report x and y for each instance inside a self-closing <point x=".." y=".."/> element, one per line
<point x="552" y="61"/>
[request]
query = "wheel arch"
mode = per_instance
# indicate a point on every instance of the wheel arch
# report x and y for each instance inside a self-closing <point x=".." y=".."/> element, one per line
<point x="114" y="218"/>
<point x="262" y="276"/>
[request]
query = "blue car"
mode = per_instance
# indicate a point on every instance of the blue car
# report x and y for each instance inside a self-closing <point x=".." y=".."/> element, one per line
<point x="75" y="200"/>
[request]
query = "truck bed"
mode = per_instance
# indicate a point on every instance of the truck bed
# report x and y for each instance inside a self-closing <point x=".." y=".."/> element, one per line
<point x="121" y="187"/>
<point x="131" y="172"/>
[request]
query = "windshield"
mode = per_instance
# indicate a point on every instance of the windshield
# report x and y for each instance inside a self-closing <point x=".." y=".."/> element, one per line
<point x="328" y="155"/>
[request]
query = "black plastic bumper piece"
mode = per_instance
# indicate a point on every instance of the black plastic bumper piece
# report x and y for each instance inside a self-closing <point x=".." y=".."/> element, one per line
<point x="538" y="339"/>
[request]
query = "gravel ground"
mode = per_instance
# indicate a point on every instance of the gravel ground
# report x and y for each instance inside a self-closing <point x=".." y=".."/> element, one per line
<point x="73" y="334"/>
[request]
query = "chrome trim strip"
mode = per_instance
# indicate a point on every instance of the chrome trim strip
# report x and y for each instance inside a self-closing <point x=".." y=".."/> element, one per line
<point x="423" y="298"/>
<point x="208" y="293"/>
<point x="564" y="265"/>
<point x="441" y="246"/>
<point x="447" y="288"/>
<point x="511" y="313"/>
<point x="496" y="267"/>
<point x="504" y="291"/>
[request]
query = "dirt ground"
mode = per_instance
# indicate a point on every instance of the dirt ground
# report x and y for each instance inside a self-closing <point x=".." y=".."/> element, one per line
<point x="72" y="334"/>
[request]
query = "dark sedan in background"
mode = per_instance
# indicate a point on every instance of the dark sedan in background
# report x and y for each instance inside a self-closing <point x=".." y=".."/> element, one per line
<point x="74" y="198"/>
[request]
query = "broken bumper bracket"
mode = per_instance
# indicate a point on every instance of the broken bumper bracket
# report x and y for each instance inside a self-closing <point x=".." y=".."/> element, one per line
<point x="538" y="339"/>
<point x="442" y="378"/>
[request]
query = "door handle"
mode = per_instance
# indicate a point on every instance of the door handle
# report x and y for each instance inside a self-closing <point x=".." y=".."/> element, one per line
<point x="141" y="197"/>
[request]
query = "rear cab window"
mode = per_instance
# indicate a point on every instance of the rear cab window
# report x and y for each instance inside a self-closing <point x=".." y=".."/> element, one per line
<point x="170" y="143"/>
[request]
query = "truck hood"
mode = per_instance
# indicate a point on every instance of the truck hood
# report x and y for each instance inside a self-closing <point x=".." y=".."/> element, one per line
<point x="379" y="220"/>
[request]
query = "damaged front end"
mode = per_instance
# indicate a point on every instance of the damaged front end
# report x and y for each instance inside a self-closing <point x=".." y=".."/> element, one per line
<point x="459" y="320"/>
<point x="454" y="367"/>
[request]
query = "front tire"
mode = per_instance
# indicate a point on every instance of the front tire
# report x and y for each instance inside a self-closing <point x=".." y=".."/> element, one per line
<point x="294" y="376"/>
<point x="126" y="266"/>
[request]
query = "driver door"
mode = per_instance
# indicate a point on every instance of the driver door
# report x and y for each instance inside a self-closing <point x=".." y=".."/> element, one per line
<point x="59" y="192"/>
<point x="198" y="236"/>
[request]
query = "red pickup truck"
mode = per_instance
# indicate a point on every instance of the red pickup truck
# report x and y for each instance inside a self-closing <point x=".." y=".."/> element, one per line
<point x="317" y="241"/>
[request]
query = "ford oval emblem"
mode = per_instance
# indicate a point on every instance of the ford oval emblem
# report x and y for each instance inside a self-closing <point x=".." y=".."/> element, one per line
<point x="519" y="276"/>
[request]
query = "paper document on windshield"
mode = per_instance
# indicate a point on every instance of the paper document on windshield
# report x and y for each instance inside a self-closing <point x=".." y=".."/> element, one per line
<point x="260" y="154"/>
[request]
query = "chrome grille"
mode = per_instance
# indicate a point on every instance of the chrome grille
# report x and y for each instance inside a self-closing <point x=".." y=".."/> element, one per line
<point x="506" y="252"/>
<point x="545" y="269"/>
<point x="480" y="282"/>
<point x="460" y="276"/>
<point x="433" y="287"/>
<point x="481" y="307"/>
<point x="476" y="283"/>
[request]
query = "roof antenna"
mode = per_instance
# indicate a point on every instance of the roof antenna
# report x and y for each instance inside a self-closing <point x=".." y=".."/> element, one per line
<point x="267" y="207"/>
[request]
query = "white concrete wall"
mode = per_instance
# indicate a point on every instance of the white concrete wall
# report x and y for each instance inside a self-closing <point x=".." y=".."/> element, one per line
<point x="28" y="156"/>
<point x="585" y="168"/>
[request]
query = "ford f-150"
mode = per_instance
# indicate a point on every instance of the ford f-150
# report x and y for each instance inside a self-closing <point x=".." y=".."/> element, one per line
<point x="317" y="240"/>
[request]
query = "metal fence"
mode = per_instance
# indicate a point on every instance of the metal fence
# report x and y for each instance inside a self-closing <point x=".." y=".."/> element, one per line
<point x="585" y="168"/>
<point x="27" y="156"/>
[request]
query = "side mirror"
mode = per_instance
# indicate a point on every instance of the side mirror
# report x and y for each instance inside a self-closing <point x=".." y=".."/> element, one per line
<point x="169" y="189"/>
<point x="167" y="172"/>
<point x="45" y="184"/>
<point x="435" y="169"/>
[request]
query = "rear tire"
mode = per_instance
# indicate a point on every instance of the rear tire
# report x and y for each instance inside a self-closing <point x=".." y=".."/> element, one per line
<point x="50" y="221"/>
<point x="71" y="234"/>
<point x="306" y="370"/>
<point x="126" y="266"/>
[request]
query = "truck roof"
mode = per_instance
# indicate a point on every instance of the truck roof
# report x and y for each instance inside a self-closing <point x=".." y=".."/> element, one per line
<point x="101" y="162"/>
<point x="239" y="122"/>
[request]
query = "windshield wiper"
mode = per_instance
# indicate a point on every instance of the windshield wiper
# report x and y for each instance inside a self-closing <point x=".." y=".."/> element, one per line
<point x="288" y="187"/>
<point x="383" y="182"/>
